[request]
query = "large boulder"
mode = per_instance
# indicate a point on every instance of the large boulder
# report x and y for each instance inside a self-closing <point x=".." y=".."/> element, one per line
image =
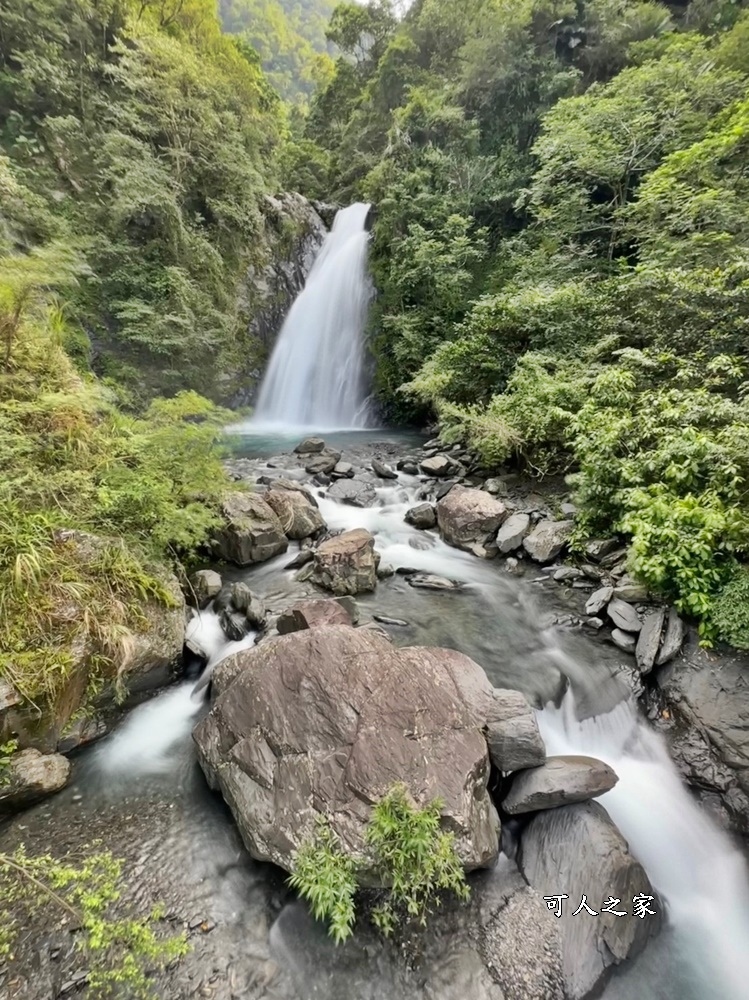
<point x="557" y="782"/>
<point x="252" y="531"/>
<point x="512" y="732"/>
<point x="354" y="492"/>
<point x="347" y="563"/>
<point x="468" y="517"/>
<point x="325" y="721"/>
<point x="547" y="540"/>
<point x="32" y="776"/>
<point x="297" y="511"/>
<point x="576" y="851"/>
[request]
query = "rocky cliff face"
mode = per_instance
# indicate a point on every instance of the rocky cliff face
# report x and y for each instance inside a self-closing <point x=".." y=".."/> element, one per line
<point x="294" y="232"/>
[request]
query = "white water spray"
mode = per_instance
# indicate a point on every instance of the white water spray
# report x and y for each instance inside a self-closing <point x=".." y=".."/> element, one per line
<point x="316" y="373"/>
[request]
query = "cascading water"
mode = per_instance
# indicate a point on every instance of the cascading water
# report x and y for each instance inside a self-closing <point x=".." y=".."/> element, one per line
<point x="316" y="373"/>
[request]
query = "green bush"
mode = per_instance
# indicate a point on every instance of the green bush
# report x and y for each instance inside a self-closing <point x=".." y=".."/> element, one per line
<point x="326" y="877"/>
<point x="730" y="610"/>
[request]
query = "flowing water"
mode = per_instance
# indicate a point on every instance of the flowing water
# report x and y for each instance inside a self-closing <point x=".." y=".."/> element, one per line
<point x="316" y="372"/>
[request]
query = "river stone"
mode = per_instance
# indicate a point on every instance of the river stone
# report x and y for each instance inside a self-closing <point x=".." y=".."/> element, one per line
<point x="430" y="581"/>
<point x="649" y="640"/>
<point x="437" y="465"/>
<point x="623" y="640"/>
<point x="559" y="781"/>
<point x="598" y="600"/>
<point x="423" y="516"/>
<point x="383" y="471"/>
<point x="346" y="564"/>
<point x="511" y="534"/>
<point x="577" y="850"/>
<point x="512" y="732"/>
<point x="297" y="511"/>
<point x="204" y="585"/>
<point x="547" y="540"/>
<point x="325" y="721"/>
<point x="322" y="464"/>
<point x="312" y="614"/>
<point x="343" y="470"/>
<point x="623" y="615"/>
<point x="32" y="776"/>
<point x="310" y="446"/>
<point x="468" y="517"/>
<point x="353" y="492"/>
<point x="252" y="531"/>
<point x="673" y="639"/>
<point x="250" y="603"/>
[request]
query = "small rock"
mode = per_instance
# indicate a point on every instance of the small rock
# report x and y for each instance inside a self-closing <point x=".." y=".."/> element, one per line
<point x="511" y="534"/>
<point x="345" y="564"/>
<point x="324" y="463"/>
<point x="383" y="471"/>
<point x="321" y="479"/>
<point x="409" y="468"/>
<point x="353" y="492"/>
<point x="343" y="470"/>
<point x="566" y="573"/>
<point x="235" y="626"/>
<point x="438" y="465"/>
<point x="497" y="487"/>
<point x="594" y="623"/>
<point x="547" y="540"/>
<point x="559" y="781"/>
<point x="592" y="572"/>
<point x="422" y="516"/>
<point x="384" y="620"/>
<point x="468" y="517"/>
<point x="568" y="509"/>
<point x="649" y="639"/>
<point x="512" y="565"/>
<point x="205" y="585"/>
<point x="429" y="581"/>
<point x="310" y="446"/>
<point x="623" y="615"/>
<point x="9" y="697"/>
<point x="598" y="601"/>
<point x="597" y="548"/>
<point x="300" y="559"/>
<point x="673" y="639"/>
<point x="384" y="571"/>
<point x="623" y="640"/>
<point x="612" y="558"/>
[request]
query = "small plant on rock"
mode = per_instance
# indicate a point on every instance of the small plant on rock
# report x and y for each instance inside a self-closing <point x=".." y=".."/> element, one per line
<point x="326" y="877"/>
<point x="6" y="756"/>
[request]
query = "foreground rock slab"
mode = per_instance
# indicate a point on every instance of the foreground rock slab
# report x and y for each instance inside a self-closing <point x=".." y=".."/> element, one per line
<point x="559" y="781"/>
<point x="468" y="517"/>
<point x="347" y="563"/>
<point x="577" y="851"/>
<point x="327" y="720"/>
<point x="32" y="776"/>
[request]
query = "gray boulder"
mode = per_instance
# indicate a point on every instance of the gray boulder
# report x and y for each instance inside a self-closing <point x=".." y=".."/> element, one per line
<point x="547" y="540"/>
<point x="252" y="531"/>
<point x="468" y="517"/>
<point x="32" y="776"/>
<point x="346" y="564"/>
<point x="437" y="465"/>
<point x="312" y="614"/>
<point x="511" y="534"/>
<point x="310" y="446"/>
<point x="557" y="782"/>
<point x="343" y="470"/>
<point x="297" y="511"/>
<point x="512" y="732"/>
<point x="598" y="600"/>
<point x="204" y="585"/>
<point x="423" y="516"/>
<point x="624" y="640"/>
<point x="250" y="603"/>
<point x="577" y="851"/>
<point x="383" y="471"/>
<point x="323" y="463"/>
<point x="623" y="615"/>
<point x="325" y="721"/>
<point x="353" y="492"/>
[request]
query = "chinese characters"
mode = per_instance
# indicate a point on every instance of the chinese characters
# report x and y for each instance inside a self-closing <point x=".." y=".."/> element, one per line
<point x="642" y="906"/>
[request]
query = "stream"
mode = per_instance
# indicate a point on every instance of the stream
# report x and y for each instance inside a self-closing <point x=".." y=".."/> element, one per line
<point x="140" y="790"/>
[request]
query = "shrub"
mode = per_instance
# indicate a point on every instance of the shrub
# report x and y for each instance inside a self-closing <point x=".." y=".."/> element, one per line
<point x="325" y="876"/>
<point x="730" y="610"/>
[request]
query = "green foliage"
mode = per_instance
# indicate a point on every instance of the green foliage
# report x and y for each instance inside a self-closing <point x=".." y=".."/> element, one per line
<point x="326" y="876"/>
<point x="122" y="949"/>
<point x="729" y="616"/>
<point x="413" y="857"/>
<point x="7" y="750"/>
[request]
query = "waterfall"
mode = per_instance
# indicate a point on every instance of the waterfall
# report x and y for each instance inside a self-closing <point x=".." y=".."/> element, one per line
<point x="315" y="377"/>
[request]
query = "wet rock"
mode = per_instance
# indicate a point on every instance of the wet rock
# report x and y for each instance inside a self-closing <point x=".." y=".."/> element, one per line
<point x="32" y="776"/>
<point x="371" y="715"/>
<point x="384" y="620"/>
<point x="353" y="492"/>
<point x="234" y="624"/>
<point x="673" y="638"/>
<point x="430" y="581"/>
<point x="559" y="781"/>
<point x="297" y="511"/>
<point x="346" y="563"/>
<point x="302" y="557"/>
<point x="511" y="534"/>
<point x="204" y="585"/>
<point x="623" y="640"/>
<point x="437" y="465"/>
<point x="512" y="732"/>
<point x="649" y="639"/>
<point x="385" y="571"/>
<point x="423" y="516"/>
<point x="321" y="479"/>
<point x="468" y="517"/>
<point x="322" y="464"/>
<point x="623" y="615"/>
<point x="343" y="470"/>
<point x="312" y="614"/>
<point x="252" y="531"/>
<point x="547" y="540"/>
<point x="249" y="603"/>
<point x="598" y="600"/>
<point x="598" y="548"/>
<point x="223" y="599"/>
<point x="383" y="471"/>
<point x="310" y="446"/>
<point x="576" y="850"/>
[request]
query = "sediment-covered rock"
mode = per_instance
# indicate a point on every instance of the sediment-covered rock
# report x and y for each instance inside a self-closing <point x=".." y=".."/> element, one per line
<point x="468" y="517"/>
<point x="346" y="564"/>
<point x="252" y="531"/>
<point x="325" y="721"/>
